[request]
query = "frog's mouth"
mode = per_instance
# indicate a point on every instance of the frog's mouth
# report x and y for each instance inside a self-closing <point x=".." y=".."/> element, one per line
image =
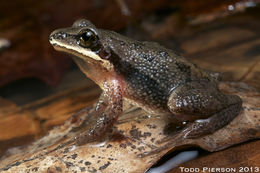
<point x="74" y="49"/>
<point x="77" y="51"/>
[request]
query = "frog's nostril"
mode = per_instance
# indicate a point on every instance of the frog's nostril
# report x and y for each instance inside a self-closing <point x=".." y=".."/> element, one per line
<point x="51" y="37"/>
<point x="58" y="35"/>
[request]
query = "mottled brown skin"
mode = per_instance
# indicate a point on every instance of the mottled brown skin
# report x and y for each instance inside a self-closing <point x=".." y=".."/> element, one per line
<point x="147" y="75"/>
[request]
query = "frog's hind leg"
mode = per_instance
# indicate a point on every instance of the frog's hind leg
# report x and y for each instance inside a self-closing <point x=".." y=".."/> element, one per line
<point x="204" y="106"/>
<point x="207" y="126"/>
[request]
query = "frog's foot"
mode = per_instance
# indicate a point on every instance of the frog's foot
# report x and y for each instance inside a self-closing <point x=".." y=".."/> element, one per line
<point x="174" y="128"/>
<point x="103" y="118"/>
<point x="207" y="126"/>
<point x="205" y="107"/>
<point x="95" y="128"/>
<point x="169" y="142"/>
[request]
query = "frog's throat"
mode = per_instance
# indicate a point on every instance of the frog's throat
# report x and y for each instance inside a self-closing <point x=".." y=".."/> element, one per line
<point x="80" y="52"/>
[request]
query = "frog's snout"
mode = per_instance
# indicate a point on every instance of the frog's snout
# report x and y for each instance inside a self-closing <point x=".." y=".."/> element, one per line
<point x="52" y="36"/>
<point x="57" y="35"/>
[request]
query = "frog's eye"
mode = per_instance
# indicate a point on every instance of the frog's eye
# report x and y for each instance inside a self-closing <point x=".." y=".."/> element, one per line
<point x="88" y="39"/>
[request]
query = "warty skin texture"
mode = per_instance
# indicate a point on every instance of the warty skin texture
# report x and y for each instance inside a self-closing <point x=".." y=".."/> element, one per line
<point x="148" y="75"/>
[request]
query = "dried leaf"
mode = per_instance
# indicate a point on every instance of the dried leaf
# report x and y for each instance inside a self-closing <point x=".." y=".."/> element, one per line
<point x="135" y="135"/>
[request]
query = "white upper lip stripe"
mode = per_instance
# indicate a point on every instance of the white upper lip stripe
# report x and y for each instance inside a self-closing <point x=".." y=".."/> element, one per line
<point x="82" y="51"/>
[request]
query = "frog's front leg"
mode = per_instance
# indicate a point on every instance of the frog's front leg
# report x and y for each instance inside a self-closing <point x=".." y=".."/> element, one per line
<point x="108" y="108"/>
<point x="204" y="106"/>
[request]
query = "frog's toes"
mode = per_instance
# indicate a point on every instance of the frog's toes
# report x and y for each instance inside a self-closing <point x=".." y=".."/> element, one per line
<point x="198" y="128"/>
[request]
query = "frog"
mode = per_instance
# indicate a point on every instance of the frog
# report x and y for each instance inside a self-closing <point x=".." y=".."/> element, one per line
<point x="147" y="75"/>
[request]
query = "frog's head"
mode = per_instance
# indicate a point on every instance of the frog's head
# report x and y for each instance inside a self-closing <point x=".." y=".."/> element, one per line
<point x="82" y="41"/>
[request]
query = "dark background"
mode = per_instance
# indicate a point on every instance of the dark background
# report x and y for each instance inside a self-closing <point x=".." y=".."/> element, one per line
<point x="221" y="36"/>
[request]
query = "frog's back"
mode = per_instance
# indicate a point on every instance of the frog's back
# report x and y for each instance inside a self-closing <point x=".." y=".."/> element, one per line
<point x="151" y="70"/>
<point x="157" y="64"/>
